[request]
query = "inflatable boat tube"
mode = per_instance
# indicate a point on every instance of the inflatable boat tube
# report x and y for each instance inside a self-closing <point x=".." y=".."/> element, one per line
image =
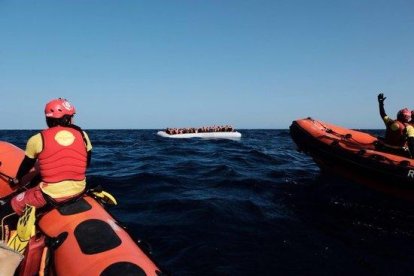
<point x="10" y="159"/>
<point x="82" y="237"/>
<point x="92" y="242"/>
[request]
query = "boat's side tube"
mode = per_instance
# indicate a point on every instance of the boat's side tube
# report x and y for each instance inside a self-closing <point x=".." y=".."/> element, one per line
<point x="93" y="243"/>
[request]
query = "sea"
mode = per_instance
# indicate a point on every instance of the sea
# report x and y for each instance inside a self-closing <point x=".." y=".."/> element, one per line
<point x="254" y="206"/>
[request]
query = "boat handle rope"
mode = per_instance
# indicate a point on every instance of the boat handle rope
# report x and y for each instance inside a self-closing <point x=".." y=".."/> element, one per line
<point x="362" y="151"/>
<point x="344" y="137"/>
<point x="330" y="131"/>
<point x="6" y="176"/>
<point x="3" y="174"/>
<point x="336" y="142"/>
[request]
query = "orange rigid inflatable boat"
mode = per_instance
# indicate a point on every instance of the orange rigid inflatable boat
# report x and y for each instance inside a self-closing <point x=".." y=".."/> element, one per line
<point x="353" y="154"/>
<point x="77" y="238"/>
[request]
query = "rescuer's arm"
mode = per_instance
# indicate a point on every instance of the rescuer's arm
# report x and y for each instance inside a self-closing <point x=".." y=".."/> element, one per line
<point x="381" y="100"/>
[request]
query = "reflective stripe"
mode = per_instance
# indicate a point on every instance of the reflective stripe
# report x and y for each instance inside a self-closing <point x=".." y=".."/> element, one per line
<point x="65" y="188"/>
<point x="395" y="138"/>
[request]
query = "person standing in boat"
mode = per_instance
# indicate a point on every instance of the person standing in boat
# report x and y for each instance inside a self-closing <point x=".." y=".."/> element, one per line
<point x="63" y="152"/>
<point x="399" y="133"/>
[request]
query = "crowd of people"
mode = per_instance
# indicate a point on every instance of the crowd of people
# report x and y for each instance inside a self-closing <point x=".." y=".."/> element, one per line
<point x="226" y="128"/>
<point x="399" y="133"/>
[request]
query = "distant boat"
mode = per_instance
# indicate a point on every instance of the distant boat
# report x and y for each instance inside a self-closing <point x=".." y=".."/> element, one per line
<point x="207" y="135"/>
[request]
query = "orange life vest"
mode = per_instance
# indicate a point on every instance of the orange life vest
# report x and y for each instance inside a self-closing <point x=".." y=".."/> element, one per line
<point x="64" y="155"/>
<point x="396" y="137"/>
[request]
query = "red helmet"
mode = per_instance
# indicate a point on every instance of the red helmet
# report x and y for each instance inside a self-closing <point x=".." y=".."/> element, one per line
<point x="404" y="115"/>
<point x="57" y="108"/>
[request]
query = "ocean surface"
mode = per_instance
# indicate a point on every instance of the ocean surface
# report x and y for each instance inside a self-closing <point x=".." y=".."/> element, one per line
<point x="254" y="206"/>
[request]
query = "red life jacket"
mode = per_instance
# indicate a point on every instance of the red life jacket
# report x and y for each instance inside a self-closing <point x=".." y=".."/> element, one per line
<point x="396" y="137"/>
<point x="64" y="155"/>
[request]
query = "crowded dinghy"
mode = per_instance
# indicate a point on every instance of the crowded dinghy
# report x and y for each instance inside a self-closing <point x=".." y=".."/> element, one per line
<point x="212" y="132"/>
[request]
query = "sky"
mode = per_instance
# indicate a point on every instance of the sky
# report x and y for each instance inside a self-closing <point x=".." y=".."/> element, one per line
<point x="181" y="63"/>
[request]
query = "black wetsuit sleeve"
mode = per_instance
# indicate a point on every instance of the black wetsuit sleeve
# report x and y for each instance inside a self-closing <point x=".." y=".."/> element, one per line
<point x="382" y="110"/>
<point x="26" y="165"/>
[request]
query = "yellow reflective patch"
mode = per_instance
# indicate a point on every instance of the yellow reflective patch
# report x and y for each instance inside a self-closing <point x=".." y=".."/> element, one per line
<point x="25" y="230"/>
<point x="64" y="188"/>
<point x="395" y="126"/>
<point x="410" y="131"/>
<point x="64" y="138"/>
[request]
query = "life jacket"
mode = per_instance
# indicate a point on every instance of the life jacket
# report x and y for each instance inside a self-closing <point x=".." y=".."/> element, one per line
<point x="63" y="156"/>
<point x="397" y="137"/>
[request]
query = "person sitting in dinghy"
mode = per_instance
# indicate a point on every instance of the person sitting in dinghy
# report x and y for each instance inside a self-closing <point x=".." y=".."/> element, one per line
<point x="399" y="133"/>
<point x="63" y="151"/>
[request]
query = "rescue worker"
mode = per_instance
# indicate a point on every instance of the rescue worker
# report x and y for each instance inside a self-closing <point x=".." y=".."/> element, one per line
<point x="399" y="134"/>
<point x="63" y="151"/>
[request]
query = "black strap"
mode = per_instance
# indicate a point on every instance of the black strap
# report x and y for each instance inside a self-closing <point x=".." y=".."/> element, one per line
<point x="51" y="203"/>
<point x="81" y="132"/>
<point x="26" y="165"/>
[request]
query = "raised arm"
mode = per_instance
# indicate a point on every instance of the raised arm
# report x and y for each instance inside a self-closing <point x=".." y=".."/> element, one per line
<point x="381" y="100"/>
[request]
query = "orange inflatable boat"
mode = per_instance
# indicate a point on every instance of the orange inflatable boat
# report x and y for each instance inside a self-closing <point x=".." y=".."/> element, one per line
<point x="10" y="159"/>
<point x="77" y="238"/>
<point x="354" y="155"/>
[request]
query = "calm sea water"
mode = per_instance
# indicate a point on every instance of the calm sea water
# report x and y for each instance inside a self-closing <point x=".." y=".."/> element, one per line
<point x="249" y="207"/>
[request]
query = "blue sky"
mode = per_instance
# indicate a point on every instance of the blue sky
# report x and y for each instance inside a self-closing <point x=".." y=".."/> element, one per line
<point x="252" y="64"/>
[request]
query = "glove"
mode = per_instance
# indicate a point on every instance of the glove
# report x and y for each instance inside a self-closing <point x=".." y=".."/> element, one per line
<point x="13" y="182"/>
<point x="381" y="98"/>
